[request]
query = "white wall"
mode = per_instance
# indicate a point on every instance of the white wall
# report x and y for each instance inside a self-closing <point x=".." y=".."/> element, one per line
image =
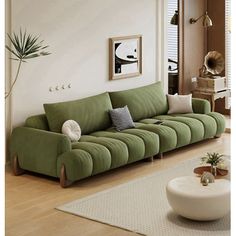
<point x="77" y="32"/>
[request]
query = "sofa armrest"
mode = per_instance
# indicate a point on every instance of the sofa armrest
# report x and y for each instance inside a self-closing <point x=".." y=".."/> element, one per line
<point x="201" y="106"/>
<point x="37" y="150"/>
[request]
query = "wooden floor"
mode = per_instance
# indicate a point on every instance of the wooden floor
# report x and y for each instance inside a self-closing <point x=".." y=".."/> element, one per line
<point x="31" y="199"/>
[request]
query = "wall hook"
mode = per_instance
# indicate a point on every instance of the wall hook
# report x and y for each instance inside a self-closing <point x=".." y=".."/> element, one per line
<point x="50" y="89"/>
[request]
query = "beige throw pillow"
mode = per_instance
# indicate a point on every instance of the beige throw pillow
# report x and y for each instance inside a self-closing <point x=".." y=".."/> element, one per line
<point x="71" y="129"/>
<point x="179" y="104"/>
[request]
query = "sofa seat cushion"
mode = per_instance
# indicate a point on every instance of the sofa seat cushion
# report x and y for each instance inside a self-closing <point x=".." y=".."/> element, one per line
<point x="90" y="113"/>
<point x="78" y="164"/>
<point x="183" y="132"/>
<point x="209" y="123"/>
<point x="150" y="139"/>
<point x="196" y="127"/>
<point x="220" y="121"/>
<point x="118" y="150"/>
<point x="135" y="145"/>
<point x="202" y="126"/>
<point x="167" y="135"/>
<point x="101" y="156"/>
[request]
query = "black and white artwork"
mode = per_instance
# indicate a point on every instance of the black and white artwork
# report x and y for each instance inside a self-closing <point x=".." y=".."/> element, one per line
<point x="125" y="53"/>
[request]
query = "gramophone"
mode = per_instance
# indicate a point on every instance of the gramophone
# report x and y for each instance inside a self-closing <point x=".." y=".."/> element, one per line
<point x="213" y="65"/>
<point x="209" y="79"/>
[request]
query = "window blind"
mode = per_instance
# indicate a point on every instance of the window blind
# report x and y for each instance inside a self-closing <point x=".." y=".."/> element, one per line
<point x="172" y="33"/>
<point x="228" y="48"/>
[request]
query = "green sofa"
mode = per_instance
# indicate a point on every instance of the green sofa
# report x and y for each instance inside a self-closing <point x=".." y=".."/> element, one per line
<point x="39" y="145"/>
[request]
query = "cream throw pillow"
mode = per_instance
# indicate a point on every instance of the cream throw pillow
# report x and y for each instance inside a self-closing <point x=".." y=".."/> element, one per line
<point x="71" y="129"/>
<point x="179" y="104"/>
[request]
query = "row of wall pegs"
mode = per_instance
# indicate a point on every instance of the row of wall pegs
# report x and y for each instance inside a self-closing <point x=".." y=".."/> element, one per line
<point x="57" y="88"/>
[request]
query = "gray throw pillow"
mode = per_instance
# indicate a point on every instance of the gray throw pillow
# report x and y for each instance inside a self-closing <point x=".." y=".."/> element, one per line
<point x="121" y="118"/>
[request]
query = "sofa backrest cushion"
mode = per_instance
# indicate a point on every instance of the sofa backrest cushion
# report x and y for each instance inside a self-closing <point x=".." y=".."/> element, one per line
<point x="143" y="102"/>
<point x="37" y="122"/>
<point x="91" y="113"/>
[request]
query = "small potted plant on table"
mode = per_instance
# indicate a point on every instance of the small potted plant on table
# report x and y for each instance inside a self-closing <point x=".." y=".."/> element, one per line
<point x="213" y="159"/>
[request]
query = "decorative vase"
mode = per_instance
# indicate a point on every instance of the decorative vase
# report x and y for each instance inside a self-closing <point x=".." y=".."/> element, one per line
<point x="213" y="170"/>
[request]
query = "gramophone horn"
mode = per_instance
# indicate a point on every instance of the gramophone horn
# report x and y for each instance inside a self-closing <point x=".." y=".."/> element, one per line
<point x="214" y="62"/>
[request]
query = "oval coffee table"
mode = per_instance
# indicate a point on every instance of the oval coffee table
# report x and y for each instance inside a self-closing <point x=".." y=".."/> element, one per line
<point x="190" y="199"/>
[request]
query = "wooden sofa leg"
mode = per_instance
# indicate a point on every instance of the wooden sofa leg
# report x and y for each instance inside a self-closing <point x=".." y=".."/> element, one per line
<point x="64" y="182"/>
<point x="149" y="159"/>
<point x="217" y="136"/>
<point x="159" y="156"/>
<point x="16" y="167"/>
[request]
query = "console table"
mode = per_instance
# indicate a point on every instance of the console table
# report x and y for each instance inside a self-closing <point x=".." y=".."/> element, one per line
<point x="211" y="96"/>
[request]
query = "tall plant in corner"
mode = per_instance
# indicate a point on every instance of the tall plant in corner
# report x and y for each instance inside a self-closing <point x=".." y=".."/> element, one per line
<point x="24" y="47"/>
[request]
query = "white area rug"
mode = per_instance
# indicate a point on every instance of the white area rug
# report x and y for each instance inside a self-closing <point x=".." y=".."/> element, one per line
<point x="141" y="206"/>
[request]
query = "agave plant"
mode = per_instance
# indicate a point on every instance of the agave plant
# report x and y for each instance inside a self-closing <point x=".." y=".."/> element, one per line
<point x="212" y="158"/>
<point x="24" y="47"/>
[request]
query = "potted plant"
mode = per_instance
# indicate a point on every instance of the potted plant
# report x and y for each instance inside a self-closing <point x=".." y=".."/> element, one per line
<point x="213" y="159"/>
<point x="24" y="47"/>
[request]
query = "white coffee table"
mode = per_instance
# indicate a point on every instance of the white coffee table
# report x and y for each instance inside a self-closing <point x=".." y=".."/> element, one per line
<point x="190" y="199"/>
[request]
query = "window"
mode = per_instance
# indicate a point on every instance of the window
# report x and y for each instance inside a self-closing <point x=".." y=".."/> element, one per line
<point x="172" y="34"/>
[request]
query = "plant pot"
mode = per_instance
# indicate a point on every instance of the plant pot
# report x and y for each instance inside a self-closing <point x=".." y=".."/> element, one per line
<point x="213" y="170"/>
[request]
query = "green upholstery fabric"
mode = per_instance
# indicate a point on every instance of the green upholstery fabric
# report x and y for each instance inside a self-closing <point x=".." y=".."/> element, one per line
<point x="150" y="140"/>
<point x="134" y="144"/>
<point x="167" y="136"/>
<point x="37" y="150"/>
<point x="143" y="102"/>
<point x="196" y="127"/>
<point x="201" y="106"/>
<point x="37" y="122"/>
<point x="137" y="124"/>
<point x="91" y="113"/>
<point x="209" y="123"/>
<point x="78" y="163"/>
<point x="100" y="155"/>
<point x="118" y="150"/>
<point x="220" y="121"/>
<point x="183" y="132"/>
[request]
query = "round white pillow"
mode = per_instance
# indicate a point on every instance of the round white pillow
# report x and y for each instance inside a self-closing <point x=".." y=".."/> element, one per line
<point x="72" y="129"/>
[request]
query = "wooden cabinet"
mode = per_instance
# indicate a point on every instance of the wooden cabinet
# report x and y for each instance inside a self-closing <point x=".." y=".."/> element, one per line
<point x="211" y="96"/>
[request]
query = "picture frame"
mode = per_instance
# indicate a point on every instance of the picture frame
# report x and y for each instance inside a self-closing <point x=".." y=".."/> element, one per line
<point x="125" y="57"/>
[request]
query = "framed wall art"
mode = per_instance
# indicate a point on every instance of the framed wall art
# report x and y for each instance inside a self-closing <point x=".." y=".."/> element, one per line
<point x="125" y="57"/>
